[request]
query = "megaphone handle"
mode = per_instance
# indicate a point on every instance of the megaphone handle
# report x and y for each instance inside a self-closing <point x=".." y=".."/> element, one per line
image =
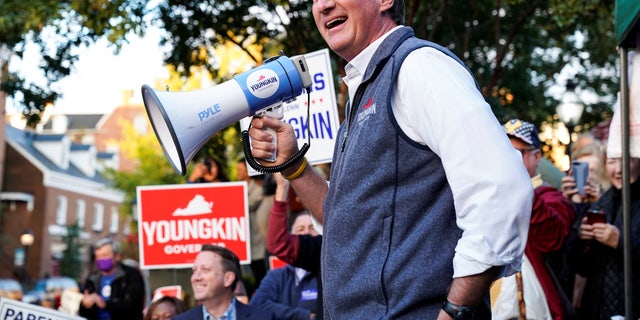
<point x="246" y="145"/>
<point x="274" y="136"/>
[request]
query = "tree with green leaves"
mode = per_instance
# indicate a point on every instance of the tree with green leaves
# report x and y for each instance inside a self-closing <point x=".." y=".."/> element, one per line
<point x="58" y="28"/>
<point x="71" y="262"/>
<point x="153" y="167"/>
<point x="517" y="49"/>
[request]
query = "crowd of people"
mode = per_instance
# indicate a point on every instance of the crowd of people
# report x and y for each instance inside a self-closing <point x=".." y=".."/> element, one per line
<point x="571" y="267"/>
<point x="433" y="209"/>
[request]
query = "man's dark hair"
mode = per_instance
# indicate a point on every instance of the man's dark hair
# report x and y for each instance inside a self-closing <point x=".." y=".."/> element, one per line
<point x="230" y="261"/>
<point x="397" y="11"/>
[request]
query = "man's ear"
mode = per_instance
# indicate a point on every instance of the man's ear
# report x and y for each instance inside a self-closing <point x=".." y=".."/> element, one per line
<point x="385" y="5"/>
<point x="229" y="277"/>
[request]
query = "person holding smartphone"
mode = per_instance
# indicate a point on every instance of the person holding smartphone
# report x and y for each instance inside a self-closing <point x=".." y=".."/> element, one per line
<point x="207" y="170"/>
<point x="588" y="189"/>
<point x="596" y="248"/>
<point x="583" y="186"/>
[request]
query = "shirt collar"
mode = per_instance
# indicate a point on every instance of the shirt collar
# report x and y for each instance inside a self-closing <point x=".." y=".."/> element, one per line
<point x="230" y="314"/>
<point x="300" y="274"/>
<point x="355" y="69"/>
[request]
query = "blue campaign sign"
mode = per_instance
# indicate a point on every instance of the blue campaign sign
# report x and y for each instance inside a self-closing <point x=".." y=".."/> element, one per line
<point x="321" y="123"/>
<point x="16" y="310"/>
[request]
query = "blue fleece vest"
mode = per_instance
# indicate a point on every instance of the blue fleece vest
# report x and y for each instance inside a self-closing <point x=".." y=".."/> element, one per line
<point x="389" y="219"/>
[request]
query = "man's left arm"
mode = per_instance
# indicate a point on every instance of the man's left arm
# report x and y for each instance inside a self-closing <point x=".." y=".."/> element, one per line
<point x="470" y="290"/>
<point x="491" y="189"/>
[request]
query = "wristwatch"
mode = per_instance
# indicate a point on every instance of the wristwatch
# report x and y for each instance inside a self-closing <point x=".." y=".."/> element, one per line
<point x="458" y="312"/>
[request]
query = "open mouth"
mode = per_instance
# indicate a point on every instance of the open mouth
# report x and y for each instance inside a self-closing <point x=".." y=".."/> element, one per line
<point x="335" y="22"/>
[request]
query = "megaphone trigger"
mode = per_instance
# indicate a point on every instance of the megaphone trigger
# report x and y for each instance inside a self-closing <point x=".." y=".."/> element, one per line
<point x="275" y="111"/>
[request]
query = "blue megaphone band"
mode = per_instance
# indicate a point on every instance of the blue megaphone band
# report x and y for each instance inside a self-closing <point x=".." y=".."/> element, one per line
<point x="274" y="82"/>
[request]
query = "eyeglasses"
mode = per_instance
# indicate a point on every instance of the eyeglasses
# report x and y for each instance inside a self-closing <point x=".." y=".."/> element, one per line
<point x="524" y="151"/>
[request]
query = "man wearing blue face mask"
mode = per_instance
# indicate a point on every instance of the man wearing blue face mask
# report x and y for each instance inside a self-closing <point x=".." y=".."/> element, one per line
<point x="114" y="290"/>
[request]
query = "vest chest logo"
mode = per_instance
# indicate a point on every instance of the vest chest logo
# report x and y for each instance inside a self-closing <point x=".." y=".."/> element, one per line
<point x="367" y="110"/>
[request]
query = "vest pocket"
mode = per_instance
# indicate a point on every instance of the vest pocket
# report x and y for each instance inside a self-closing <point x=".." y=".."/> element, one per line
<point x="385" y="248"/>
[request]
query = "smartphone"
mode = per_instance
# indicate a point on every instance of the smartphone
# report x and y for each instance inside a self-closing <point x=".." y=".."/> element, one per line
<point x="580" y="173"/>
<point x="207" y="163"/>
<point x="596" y="216"/>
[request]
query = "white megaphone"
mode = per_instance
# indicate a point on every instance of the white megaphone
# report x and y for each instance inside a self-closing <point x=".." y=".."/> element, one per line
<point x="184" y="121"/>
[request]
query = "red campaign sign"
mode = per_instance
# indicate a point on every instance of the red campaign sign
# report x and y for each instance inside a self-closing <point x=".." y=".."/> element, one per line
<point x="275" y="263"/>
<point x="176" y="220"/>
<point x="167" y="291"/>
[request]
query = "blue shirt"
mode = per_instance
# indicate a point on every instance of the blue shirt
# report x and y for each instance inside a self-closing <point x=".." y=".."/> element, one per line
<point x="230" y="314"/>
<point x="105" y="294"/>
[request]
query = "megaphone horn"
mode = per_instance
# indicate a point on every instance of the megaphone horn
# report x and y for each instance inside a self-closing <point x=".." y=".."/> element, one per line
<point x="184" y="121"/>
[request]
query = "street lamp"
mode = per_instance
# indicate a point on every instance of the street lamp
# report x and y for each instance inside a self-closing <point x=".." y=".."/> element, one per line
<point x="570" y="109"/>
<point x="26" y="240"/>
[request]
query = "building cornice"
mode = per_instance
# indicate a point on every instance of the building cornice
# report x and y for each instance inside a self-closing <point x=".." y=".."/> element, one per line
<point x="81" y="186"/>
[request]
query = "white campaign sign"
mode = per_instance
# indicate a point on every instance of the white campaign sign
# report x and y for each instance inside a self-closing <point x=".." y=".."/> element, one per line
<point x="323" y="116"/>
<point x="16" y="310"/>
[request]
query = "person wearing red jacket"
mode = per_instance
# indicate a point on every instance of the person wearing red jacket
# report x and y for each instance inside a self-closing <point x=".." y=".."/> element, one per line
<point x="299" y="250"/>
<point x="552" y="215"/>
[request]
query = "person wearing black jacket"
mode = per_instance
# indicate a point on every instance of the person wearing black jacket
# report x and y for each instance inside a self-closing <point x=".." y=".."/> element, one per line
<point x="596" y="248"/>
<point x="113" y="291"/>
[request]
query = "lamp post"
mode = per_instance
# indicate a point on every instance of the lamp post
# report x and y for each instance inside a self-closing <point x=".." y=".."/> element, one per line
<point x="26" y="240"/>
<point x="570" y="110"/>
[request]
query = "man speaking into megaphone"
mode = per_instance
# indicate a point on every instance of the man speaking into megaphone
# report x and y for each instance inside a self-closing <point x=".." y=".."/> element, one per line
<point x="427" y="202"/>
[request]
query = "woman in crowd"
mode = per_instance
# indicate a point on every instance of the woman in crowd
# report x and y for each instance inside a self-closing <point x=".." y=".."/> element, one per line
<point x="207" y="170"/>
<point x="596" y="249"/>
<point x="165" y="308"/>
<point x="592" y="154"/>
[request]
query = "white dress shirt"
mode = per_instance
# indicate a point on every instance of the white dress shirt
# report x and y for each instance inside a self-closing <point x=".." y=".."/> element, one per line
<point x="436" y="104"/>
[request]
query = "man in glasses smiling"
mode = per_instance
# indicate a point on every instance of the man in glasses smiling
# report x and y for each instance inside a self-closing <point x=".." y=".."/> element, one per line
<point x="551" y="219"/>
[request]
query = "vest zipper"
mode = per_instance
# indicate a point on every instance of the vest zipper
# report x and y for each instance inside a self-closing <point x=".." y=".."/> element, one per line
<point x="356" y="100"/>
